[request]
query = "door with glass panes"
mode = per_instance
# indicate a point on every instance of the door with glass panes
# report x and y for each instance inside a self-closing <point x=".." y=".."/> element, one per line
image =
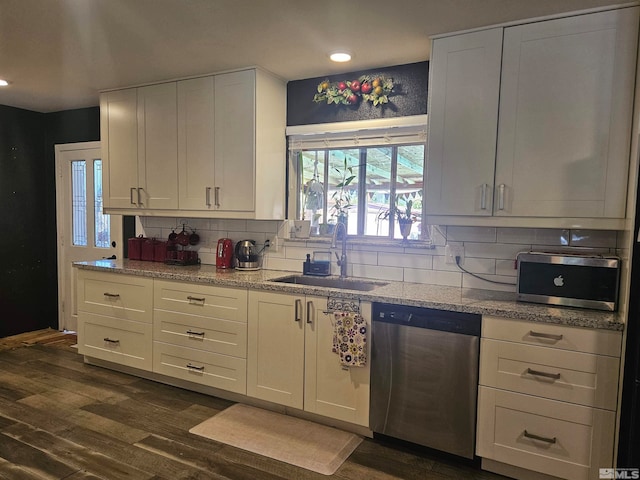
<point x="83" y="231"/>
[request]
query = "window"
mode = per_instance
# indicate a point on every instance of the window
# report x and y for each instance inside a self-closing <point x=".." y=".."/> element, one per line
<point x="362" y="178"/>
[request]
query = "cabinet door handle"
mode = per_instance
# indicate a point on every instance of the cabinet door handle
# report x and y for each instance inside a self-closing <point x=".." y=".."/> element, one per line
<point x="131" y="195"/>
<point x="501" y="189"/>
<point x="298" y="306"/>
<point x="199" y="368"/>
<point x="199" y="334"/>
<point x="533" y="436"/>
<point x="550" y="336"/>
<point x="310" y="318"/>
<point x="483" y="196"/>
<point x="139" y="201"/>
<point x="109" y="340"/>
<point x="195" y="299"/>
<point x="207" y="194"/>
<point x="216" y="196"/>
<point x="538" y="373"/>
<point x="111" y="295"/>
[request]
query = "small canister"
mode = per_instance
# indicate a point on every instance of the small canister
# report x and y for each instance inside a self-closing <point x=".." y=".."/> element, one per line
<point x="147" y="249"/>
<point x="134" y="246"/>
<point x="159" y="251"/>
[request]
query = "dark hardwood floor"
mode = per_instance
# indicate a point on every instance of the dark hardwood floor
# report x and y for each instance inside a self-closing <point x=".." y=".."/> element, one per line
<point x="62" y="419"/>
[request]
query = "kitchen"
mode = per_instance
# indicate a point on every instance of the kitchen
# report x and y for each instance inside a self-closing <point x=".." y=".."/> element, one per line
<point x="495" y="244"/>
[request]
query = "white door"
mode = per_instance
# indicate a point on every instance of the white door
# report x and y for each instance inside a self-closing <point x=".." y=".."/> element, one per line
<point x="84" y="232"/>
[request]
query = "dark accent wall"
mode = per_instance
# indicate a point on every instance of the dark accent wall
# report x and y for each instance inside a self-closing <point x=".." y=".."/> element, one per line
<point x="409" y="98"/>
<point x="29" y="285"/>
<point x="24" y="293"/>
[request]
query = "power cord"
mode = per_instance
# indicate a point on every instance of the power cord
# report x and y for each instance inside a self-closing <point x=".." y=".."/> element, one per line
<point x="478" y="276"/>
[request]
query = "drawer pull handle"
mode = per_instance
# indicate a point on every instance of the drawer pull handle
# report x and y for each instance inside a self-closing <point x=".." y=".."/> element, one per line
<point x="108" y="340"/>
<point x="533" y="436"/>
<point x="545" y="335"/>
<point x="111" y="295"/>
<point x="191" y="332"/>
<point x="195" y="299"/>
<point x="538" y="373"/>
<point x="199" y="368"/>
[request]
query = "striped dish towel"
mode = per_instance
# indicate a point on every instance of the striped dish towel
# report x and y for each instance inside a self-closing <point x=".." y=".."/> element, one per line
<point x="350" y="338"/>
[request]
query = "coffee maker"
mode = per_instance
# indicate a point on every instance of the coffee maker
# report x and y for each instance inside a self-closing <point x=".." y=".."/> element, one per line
<point x="247" y="255"/>
<point x="224" y="253"/>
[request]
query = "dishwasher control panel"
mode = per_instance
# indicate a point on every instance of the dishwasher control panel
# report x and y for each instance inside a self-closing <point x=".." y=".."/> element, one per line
<point x="420" y="317"/>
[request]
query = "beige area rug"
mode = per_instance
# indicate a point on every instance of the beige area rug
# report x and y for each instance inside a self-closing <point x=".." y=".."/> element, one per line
<point x="288" y="439"/>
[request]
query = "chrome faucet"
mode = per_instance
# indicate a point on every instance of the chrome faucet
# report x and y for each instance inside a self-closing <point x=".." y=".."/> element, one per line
<point x="342" y="259"/>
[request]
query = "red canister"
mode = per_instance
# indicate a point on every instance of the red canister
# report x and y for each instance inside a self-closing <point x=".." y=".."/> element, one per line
<point x="224" y="253"/>
<point x="134" y="246"/>
<point x="147" y="249"/>
<point x="159" y="251"/>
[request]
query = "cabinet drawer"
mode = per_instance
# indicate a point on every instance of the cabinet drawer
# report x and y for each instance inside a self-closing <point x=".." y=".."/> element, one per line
<point x="115" y="340"/>
<point x="582" y="378"/>
<point x="602" y="342"/>
<point x="203" y="300"/>
<point x="211" y="369"/>
<point x="556" y="438"/>
<point x="208" y="334"/>
<point x="121" y="296"/>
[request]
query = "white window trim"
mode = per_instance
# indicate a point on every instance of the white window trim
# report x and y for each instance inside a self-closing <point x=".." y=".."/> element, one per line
<point x="394" y="131"/>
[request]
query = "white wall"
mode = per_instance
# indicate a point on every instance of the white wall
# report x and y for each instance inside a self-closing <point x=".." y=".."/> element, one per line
<point x="489" y="252"/>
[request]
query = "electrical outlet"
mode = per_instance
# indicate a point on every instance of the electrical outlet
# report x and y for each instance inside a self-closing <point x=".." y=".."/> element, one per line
<point x="453" y="251"/>
<point x="273" y="243"/>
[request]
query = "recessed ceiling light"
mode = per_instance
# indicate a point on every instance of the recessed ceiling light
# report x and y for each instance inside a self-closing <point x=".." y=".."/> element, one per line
<point x="340" y="57"/>
<point x="3" y="83"/>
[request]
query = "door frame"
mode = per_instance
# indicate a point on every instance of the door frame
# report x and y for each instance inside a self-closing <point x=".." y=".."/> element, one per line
<point x="63" y="217"/>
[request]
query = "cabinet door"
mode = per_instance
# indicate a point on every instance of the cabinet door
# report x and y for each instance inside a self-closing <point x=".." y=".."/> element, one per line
<point x="275" y="352"/>
<point x="463" y="115"/>
<point x="235" y="141"/>
<point x="565" y="115"/>
<point x="196" y="143"/>
<point x="158" y="146"/>
<point x="119" y="141"/>
<point x="331" y="389"/>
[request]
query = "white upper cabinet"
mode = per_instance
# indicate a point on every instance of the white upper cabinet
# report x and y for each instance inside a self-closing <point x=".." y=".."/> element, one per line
<point x="566" y="101"/>
<point x="158" y="146"/>
<point x="139" y="142"/>
<point x="196" y="114"/>
<point x="463" y="113"/>
<point x="559" y="96"/>
<point x="235" y="145"/>
<point x="119" y="142"/>
<point x="211" y="146"/>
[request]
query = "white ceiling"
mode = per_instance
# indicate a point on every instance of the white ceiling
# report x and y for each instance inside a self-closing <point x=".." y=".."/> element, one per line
<point x="59" y="53"/>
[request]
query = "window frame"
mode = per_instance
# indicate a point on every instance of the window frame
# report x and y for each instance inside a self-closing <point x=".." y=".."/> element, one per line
<point x="356" y="135"/>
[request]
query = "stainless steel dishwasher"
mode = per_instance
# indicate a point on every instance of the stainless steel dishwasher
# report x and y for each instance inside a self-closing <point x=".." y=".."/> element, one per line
<point x="424" y="376"/>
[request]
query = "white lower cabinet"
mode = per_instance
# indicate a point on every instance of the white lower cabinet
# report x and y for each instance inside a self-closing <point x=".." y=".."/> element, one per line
<point x="547" y="397"/>
<point x="114" y="318"/>
<point x="200" y="334"/>
<point x="290" y="359"/>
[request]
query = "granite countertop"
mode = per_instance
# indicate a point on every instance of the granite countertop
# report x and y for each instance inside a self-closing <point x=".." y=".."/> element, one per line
<point x="484" y="302"/>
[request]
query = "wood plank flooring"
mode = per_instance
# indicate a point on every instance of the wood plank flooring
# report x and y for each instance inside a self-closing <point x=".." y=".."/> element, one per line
<point x="62" y="419"/>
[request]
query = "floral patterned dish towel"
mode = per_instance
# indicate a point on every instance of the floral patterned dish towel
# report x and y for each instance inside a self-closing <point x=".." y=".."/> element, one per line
<point x="350" y="338"/>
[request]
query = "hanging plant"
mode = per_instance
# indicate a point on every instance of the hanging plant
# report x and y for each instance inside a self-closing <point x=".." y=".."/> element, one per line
<point x="370" y="88"/>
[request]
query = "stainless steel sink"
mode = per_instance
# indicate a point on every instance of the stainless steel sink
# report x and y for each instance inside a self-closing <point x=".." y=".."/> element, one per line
<point x="330" y="282"/>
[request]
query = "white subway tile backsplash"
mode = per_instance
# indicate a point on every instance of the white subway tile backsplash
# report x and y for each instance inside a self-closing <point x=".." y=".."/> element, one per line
<point x="488" y="252"/>
<point x="506" y="268"/>
<point x="378" y="272"/>
<point x="471" y="234"/>
<point x="593" y="238"/>
<point x="405" y="260"/>
<point x="493" y="250"/>
<point x="549" y="236"/>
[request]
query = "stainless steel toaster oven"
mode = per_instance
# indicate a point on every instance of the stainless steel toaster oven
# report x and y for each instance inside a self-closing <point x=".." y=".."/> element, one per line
<point x="586" y="281"/>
